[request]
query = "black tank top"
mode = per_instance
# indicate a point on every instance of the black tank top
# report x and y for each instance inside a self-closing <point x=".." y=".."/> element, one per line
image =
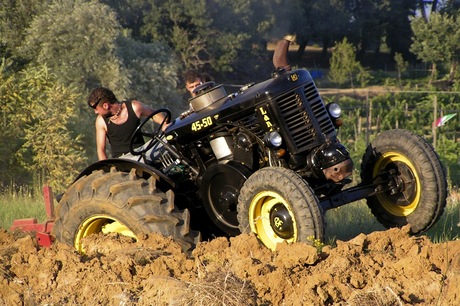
<point x="119" y="135"/>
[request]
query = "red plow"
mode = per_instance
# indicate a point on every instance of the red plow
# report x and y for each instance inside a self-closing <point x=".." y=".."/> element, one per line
<point x="42" y="230"/>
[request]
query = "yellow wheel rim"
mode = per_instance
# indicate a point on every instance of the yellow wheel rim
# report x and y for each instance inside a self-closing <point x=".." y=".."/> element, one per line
<point x="262" y="222"/>
<point x="409" y="197"/>
<point x="100" y="224"/>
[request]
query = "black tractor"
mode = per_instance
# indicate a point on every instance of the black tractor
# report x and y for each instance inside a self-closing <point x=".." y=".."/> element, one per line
<point x="265" y="159"/>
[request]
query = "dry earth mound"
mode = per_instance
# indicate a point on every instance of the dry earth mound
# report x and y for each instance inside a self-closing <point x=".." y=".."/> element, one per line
<point x="382" y="268"/>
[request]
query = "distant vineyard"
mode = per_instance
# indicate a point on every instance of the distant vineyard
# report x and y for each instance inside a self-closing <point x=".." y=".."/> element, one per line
<point x="367" y="112"/>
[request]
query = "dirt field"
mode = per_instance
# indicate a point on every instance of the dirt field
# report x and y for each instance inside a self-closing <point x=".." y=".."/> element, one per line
<point x="382" y="268"/>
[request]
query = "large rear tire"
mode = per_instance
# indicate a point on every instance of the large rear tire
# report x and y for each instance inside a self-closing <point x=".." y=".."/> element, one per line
<point x="278" y="206"/>
<point x="115" y="201"/>
<point x="422" y="196"/>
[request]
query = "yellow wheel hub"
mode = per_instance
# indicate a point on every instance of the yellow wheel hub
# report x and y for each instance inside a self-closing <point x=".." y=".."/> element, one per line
<point x="409" y="197"/>
<point x="100" y="224"/>
<point x="266" y="224"/>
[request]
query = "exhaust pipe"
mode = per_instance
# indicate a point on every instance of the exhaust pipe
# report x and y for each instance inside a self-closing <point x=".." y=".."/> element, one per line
<point x="280" y="56"/>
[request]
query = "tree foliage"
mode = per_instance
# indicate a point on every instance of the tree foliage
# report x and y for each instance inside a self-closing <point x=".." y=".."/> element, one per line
<point x="345" y="67"/>
<point x="15" y="17"/>
<point x="151" y="73"/>
<point x="366" y="23"/>
<point x="401" y="65"/>
<point x="86" y="51"/>
<point x="72" y="39"/>
<point x="395" y="21"/>
<point x="40" y="147"/>
<point x="319" y="20"/>
<point x="220" y="36"/>
<point x="437" y="41"/>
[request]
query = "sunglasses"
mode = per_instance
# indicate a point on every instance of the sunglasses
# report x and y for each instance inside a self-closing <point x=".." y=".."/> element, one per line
<point x="94" y="105"/>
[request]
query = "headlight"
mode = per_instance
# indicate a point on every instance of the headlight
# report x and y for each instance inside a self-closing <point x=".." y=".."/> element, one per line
<point x="334" y="110"/>
<point x="273" y="139"/>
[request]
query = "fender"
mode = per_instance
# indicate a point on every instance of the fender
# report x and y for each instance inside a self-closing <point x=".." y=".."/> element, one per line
<point x="125" y="165"/>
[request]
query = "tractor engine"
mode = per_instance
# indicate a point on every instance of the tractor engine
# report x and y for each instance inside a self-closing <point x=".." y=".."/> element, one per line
<point x="280" y="122"/>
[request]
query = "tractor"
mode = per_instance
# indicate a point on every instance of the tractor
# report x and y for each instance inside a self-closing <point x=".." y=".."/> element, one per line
<point x="265" y="159"/>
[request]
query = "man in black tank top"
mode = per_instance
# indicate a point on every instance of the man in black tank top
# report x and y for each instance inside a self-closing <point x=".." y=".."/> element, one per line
<point x="117" y="121"/>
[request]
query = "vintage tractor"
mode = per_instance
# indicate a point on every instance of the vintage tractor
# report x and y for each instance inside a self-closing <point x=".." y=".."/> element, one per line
<point x="265" y="159"/>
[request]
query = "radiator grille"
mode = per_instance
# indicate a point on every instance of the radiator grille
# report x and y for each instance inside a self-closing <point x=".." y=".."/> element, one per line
<point x="297" y="109"/>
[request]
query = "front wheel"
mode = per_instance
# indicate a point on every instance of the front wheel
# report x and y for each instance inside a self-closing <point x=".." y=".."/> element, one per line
<point x="278" y="205"/>
<point x="420" y="196"/>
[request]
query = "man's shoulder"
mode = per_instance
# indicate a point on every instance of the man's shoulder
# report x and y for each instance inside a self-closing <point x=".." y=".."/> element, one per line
<point x="139" y="108"/>
<point x="135" y="103"/>
<point x="101" y="122"/>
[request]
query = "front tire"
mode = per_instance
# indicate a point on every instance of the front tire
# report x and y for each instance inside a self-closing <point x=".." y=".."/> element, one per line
<point x="278" y="206"/>
<point x="115" y="201"/>
<point x="421" y="199"/>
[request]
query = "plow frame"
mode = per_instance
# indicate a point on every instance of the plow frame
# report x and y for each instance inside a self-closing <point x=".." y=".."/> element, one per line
<point x="42" y="230"/>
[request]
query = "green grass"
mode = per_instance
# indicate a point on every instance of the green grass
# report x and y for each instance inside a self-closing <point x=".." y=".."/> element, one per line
<point x="20" y="206"/>
<point x="342" y="223"/>
<point x="348" y="221"/>
<point x="448" y="226"/>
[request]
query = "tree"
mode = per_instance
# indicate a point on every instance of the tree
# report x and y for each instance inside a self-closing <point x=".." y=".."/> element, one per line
<point x="85" y="51"/>
<point x="319" y="20"/>
<point x="454" y="45"/>
<point x="342" y="62"/>
<point x="366" y="26"/>
<point x="130" y="15"/>
<point x="437" y="41"/>
<point x="11" y="170"/>
<point x="152" y="73"/>
<point x="401" y="65"/>
<point x="377" y="21"/>
<point x="451" y="7"/>
<point x="15" y="16"/>
<point x="396" y="26"/>
<point x="40" y="145"/>
<point x="218" y="36"/>
<point x="72" y="39"/>
<point x="344" y="66"/>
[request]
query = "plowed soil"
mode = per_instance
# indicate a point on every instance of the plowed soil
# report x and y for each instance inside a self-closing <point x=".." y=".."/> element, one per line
<point x="381" y="268"/>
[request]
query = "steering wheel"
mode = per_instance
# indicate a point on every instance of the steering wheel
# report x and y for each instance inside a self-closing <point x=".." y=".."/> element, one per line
<point x="154" y="135"/>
